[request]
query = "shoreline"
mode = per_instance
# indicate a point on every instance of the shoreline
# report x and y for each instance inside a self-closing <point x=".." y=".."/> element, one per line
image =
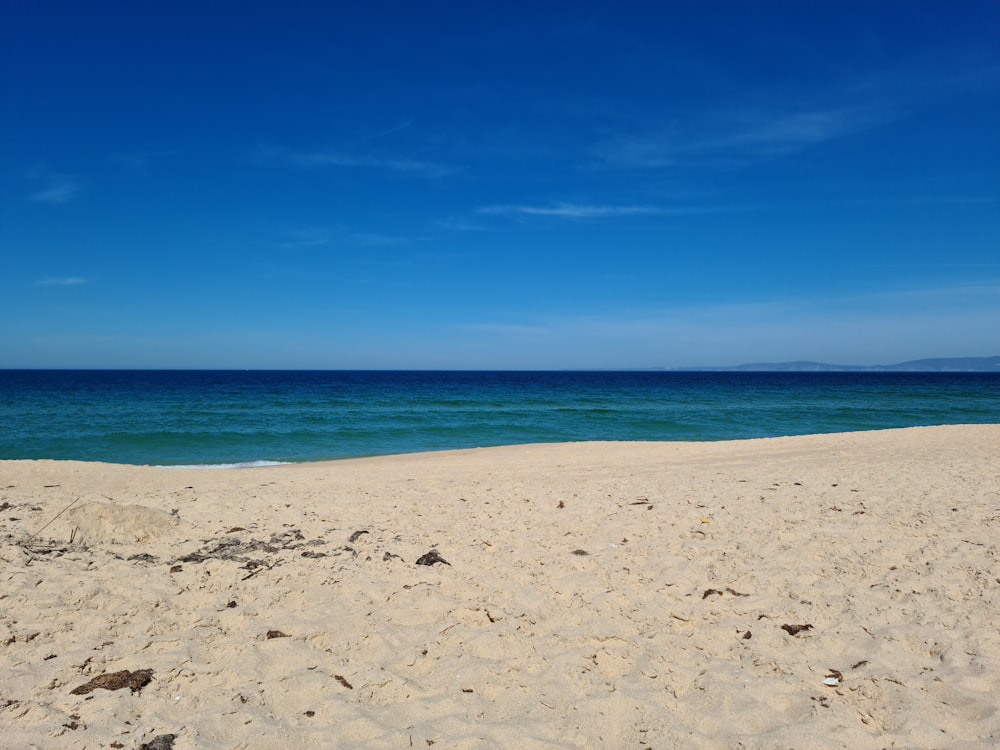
<point x="270" y="464"/>
<point x="598" y="594"/>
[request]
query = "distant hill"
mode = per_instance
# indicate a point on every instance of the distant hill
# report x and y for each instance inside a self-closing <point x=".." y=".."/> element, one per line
<point x="952" y="364"/>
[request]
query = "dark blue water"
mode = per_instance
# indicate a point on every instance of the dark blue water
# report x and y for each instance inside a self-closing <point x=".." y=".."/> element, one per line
<point x="199" y="417"/>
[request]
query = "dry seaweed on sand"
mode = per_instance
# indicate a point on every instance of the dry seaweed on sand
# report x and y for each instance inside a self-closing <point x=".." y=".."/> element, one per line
<point x="796" y="629"/>
<point x="135" y="681"/>
<point x="159" y="742"/>
<point x="431" y="558"/>
<point x="235" y="549"/>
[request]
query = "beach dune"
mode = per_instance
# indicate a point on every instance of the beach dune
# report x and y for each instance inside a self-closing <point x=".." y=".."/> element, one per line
<point x="809" y="592"/>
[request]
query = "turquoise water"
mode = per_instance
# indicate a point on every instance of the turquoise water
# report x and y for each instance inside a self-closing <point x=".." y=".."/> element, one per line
<point x="213" y="418"/>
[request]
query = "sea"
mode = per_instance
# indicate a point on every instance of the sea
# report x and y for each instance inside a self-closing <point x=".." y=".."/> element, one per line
<point x="234" y="418"/>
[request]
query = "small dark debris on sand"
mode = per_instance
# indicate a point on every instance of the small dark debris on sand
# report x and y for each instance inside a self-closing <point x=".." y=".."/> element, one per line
<point x="796" y="629"/>
<point x="276" y="634"/>
<point x="44" y="548"/>
<point x="357" y="535"/>
<point x="256" y="566"/>
<point x="708" y="592"/>
<point x="431" y="558"/>
<point x="159" y="742"/>
<point x="343" y="681"/>
<point x="822" y="700"/>
<point x="580" y="552"/>
<point x="142" y="557"/>
<point x="135" y="681"/>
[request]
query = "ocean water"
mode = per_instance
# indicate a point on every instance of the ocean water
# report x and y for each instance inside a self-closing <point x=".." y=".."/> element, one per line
<point x="238" y="418"/>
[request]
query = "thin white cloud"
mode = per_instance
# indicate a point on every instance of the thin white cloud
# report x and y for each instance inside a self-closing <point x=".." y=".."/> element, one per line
<point x="307" y="237"/>
<point x="797" y="130"/>
<point x="638" y="151"/>
<point x="373" y="239"/>
<point x="59" y="189"/>
<point x="322" y="159"/>
<point x="737" y="137"/>
<point x="573" y="211"/>
<point x="314" y="237"/>
<point x="402" y="125"/>
<point x="459" y="225"/>
<point x="61" y="281"/>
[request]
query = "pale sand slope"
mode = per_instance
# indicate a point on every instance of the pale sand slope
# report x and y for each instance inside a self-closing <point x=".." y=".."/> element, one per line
<point x="885" y="542"/>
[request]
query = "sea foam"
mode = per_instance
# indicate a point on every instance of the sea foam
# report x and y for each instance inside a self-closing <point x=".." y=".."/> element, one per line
<point x="242" y="465"/>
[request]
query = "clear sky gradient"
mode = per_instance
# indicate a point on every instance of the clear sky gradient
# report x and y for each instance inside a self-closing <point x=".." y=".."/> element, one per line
<point x="497" y="186"/>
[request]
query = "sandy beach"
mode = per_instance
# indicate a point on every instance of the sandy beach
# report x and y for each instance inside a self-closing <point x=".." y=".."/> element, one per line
<point x="825" y="591"/>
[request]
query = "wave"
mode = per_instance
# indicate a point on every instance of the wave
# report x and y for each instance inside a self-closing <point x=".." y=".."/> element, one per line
<point x="241" y="465"/>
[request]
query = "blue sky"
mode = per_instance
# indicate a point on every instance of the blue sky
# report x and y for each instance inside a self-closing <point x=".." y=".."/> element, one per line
<point x="529" y="185"/>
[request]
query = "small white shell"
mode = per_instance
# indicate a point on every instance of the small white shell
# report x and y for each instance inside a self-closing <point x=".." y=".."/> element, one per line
<point x="831" y="682"/>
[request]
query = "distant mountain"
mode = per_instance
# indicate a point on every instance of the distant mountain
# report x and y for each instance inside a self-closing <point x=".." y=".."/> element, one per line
<point x="952" y="364"/>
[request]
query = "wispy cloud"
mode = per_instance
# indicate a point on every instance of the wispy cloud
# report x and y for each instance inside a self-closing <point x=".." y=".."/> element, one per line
<point x="737" y="136"/>
<point x="57" y="189"/>
<point x="300" y="239"/>
<point x="638" y="150"/>
<point x="373" y="239"/>
<point x="402" y="125"/>
<point x="458" y="224"/>
<point x="573" y="211"/>
<point x="338" y="159"/>
<point x="61" y="281"/>
<point x="765" y="134"/>
<point x="317" y="237"/>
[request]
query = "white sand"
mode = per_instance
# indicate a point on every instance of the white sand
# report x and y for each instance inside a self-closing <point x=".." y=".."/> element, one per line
<point x="886" y="543"/>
